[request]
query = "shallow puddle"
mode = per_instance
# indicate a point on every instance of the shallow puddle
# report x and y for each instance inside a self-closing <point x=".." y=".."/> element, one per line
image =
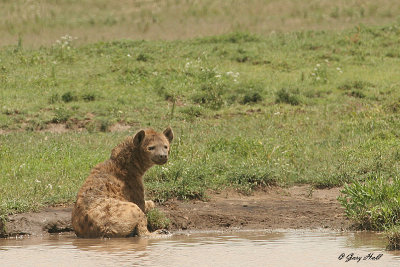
<point x="244" y="248"/>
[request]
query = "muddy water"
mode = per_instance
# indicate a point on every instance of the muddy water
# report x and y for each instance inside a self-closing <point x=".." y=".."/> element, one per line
<point x="246" y="248"/>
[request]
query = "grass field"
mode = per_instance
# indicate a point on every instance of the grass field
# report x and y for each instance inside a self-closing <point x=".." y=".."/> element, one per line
<point x="276" y="108"/>
<point x="42" y="22"/>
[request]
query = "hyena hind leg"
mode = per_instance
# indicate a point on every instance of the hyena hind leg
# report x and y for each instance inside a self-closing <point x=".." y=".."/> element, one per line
<point x="121" y="219"/>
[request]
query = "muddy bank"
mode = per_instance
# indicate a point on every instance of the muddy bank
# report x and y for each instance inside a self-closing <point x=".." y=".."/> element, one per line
<point x="273" y="208"/>
<point x="49" y="220"/>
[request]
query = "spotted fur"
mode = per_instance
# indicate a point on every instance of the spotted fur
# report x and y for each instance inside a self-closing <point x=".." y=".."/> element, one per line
<point x="111" y="201"/>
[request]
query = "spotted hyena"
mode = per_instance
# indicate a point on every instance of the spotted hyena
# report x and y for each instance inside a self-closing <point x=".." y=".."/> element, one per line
<point x="111" y="201"/>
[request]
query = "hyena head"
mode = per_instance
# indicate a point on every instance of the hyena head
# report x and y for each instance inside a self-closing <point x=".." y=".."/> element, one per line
<point x="154" y="146"/>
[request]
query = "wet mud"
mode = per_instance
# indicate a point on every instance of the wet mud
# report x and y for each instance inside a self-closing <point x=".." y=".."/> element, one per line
<point x="297" y="207"/>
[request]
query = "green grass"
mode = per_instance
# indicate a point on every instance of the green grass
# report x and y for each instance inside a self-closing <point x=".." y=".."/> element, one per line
<point x="315" y="107"/>
<point x="393" y="237"/>
<point x="157" y="220"/>
<point x="373" y="204"/>
<point x="45" y="169"/>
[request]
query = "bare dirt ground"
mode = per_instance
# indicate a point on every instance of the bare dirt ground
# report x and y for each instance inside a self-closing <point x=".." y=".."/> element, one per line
<point x="275" y="208"/>
<point x="297" y="207"/>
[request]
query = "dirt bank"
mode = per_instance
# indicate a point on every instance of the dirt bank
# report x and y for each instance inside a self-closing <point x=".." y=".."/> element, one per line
<point x="292" y="208"/>
<point x="274" y="208"/>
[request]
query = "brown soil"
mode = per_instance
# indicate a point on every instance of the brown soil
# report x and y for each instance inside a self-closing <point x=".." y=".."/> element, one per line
<point x="297" y="207"/>
<point x="275" y="208"/>
<point x="56" y="128"/>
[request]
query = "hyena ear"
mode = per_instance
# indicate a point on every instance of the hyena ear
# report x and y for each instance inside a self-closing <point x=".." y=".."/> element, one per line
<point x="169" y="134"/>
<point x="137" y="140"/>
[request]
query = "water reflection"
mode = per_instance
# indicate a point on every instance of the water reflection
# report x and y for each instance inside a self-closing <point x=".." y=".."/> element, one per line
<point x="116" y="245"/>
<point x="246" y="248"/>
<point x="365" y="239"/>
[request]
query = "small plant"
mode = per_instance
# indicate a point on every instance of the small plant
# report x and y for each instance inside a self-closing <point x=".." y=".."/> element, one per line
<point x="310" y="191"/>
<point x="394" y="106"/>
<point x="3" y="219"/>
<point x="356" y="94"/>
<point x="88" y="97"/>
<point x="69" y="97"/>
<point x="312" y="93"/>
<point x="142" y="57"/>
<point x="285" y="96"/>
<point x="249" y="98"/>
<point x="65" y="42"/>
<point x="335" y="13"/>
<point x="90" y="127"/>
<point x="35" y="125"/>
<point x="9" y="112"/>
<point x="192" y="111"/>
<point x="157" y="220"/>
<point x="54" y="98"/>
<point x="393" y="54"/>
<point x="242" y="56"/>
<point x="104" y="125"/>
<point x="63" y="48"/>
<point x="320" y="74"/>
<point x="393" y="236"/>
<point x="61" y="115"/>
<point x="360" y="85"/>
<point x="210" y="96"/>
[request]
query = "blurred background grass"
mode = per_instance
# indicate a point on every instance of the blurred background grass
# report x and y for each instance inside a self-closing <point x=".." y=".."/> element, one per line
<point x="42" y="22"/>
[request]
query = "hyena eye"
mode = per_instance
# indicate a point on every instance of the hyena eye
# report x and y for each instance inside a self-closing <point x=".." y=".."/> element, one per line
<point x="151" y="147"/>
<point x="165" y="147"/>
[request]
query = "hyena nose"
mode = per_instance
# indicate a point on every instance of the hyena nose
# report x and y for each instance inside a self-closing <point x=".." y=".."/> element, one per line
<point x="162" y="157"/>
